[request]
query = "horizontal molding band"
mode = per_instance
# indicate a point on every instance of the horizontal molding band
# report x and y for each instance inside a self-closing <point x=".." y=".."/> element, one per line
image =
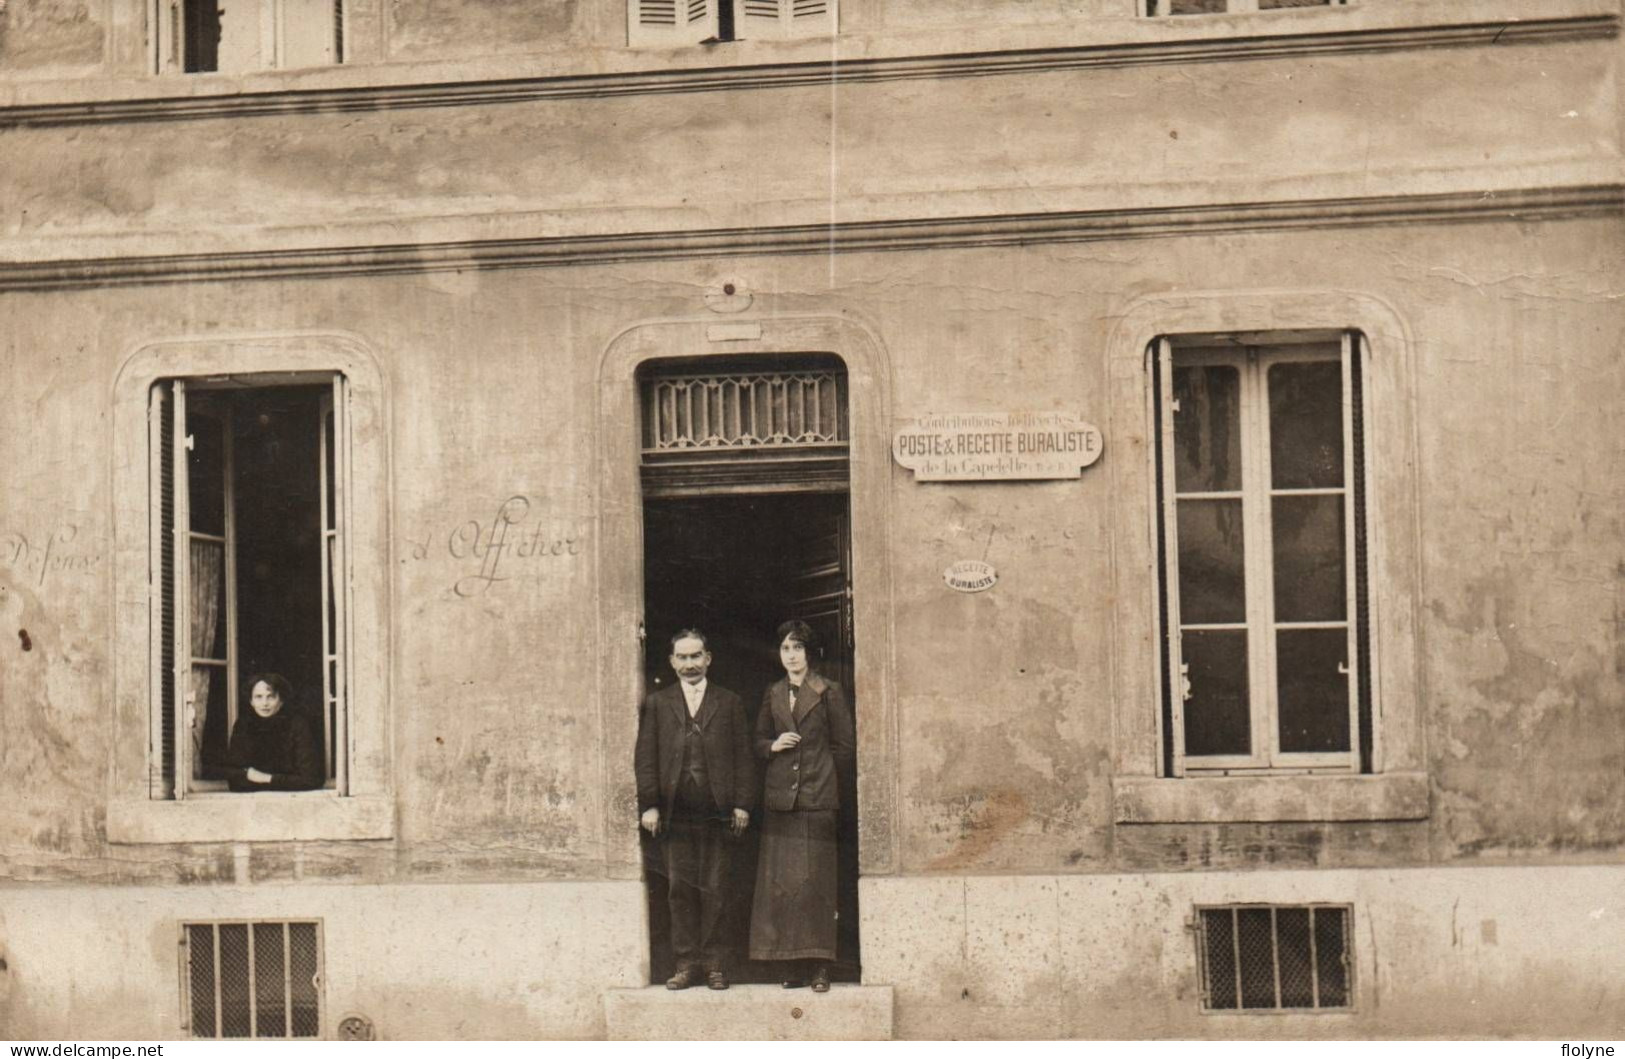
<point x="870" y="236"/>
<point x="779" y="75"/>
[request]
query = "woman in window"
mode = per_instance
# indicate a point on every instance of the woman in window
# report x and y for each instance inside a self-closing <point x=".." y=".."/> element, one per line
<point x="804" y="732"/>
<point x="271" y="746"/>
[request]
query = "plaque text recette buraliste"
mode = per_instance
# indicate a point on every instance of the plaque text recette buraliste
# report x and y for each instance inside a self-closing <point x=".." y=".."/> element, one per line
<point x="997" y="446"/>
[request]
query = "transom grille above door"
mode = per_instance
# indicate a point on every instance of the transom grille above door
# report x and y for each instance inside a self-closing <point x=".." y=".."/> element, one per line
<point x="744" y="425"/>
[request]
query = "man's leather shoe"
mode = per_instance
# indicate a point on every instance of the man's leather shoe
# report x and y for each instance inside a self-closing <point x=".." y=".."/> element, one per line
<point x="716" y="980"/>
<point x="685" y="977"/>
<point x="820" y="980"/>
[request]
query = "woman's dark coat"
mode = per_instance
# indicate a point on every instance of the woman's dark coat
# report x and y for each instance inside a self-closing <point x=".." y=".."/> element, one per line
<point x="805" y="776"/>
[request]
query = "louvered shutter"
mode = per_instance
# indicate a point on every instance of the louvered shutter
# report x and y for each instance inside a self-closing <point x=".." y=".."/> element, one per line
<point x="176" y="594"/>
<point x="335" y="567"/>
<point x="783" y="19"/>
<point x="671" y="22"/>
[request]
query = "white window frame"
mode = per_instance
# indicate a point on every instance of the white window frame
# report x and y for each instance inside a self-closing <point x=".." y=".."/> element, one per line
<point x="1252" y="356"/>
<point x="361" y="806"/>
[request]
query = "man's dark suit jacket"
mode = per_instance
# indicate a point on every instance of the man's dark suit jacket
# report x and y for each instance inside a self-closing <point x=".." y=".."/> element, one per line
<point x="658" y="762"/>
<point x="828" y="742"/>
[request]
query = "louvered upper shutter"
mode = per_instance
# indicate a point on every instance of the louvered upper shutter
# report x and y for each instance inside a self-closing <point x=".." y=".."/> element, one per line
<point x="671" y="22"/>
<point x="783" y="19"/>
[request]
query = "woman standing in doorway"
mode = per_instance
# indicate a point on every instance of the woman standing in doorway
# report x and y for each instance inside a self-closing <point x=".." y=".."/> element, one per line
<point x="804" y="732"/>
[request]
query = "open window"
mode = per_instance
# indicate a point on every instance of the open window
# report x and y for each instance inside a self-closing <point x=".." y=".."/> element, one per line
<point x="239" y="36"/>
<point x="670" y="23"/>
<point x="1262" y="541"/>
<point x="250" y="510"/>
<point x="1219" y="7"/>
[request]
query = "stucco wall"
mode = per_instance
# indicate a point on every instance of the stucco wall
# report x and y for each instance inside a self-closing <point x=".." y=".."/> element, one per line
<point x="1004" y="705"/>
<point x="1464" y="953"/>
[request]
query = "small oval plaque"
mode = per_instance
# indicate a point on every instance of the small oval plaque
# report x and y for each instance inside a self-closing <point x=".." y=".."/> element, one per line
<point x="970" y="575"/>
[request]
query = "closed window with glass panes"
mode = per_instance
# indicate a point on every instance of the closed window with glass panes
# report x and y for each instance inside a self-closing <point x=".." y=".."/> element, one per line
<point x="243" y="979"/>
<point x="1261" y="537"/>
<point x="1261" y="958"/>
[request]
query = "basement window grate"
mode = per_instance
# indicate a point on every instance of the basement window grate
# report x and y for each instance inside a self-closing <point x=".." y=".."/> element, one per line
<point x="247" y="979"/>
<point x="1262" y="958"/>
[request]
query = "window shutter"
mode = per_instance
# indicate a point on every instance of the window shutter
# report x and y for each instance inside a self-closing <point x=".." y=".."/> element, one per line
<point x="671" y="22"/>
<point x="178" y="756"/>
<point x="307" y="34"/>
<point x="784" y="19"/>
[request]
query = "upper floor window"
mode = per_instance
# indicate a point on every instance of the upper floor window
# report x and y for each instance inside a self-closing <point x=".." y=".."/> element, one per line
<point x="240" y="36"/>
<point x="249" y="502"/>
<point x="1262" y="540"/>
<point x="1219" y="7"/>
<point x="676" y="22"/>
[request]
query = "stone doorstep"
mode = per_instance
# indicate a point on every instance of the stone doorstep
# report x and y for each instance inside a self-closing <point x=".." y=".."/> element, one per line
<point x="750" y="1013"/>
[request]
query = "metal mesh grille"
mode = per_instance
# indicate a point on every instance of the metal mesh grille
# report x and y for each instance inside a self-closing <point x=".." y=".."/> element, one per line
<point x="1292" y="953"/>
<point x="1283" y="957"/>
<point x="235" y="981"/>
<point x="200" y="980"/>
<point x="657" y="12"/>
<point x="778" y="410"/>
<point x="270" y="984"/>
<point x="1256" y="952"/>
<point x="253" y="979"/>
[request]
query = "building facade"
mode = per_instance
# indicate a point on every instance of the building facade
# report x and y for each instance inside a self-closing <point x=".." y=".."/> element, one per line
<point x="1255" y="369"/>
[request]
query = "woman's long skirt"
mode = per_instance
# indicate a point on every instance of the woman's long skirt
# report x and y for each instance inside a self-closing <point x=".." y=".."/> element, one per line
<point x="793" y="916"/>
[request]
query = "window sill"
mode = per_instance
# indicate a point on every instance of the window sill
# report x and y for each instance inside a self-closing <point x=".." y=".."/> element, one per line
<point x="270" y="817"/>
<point x="1267" y="799"/>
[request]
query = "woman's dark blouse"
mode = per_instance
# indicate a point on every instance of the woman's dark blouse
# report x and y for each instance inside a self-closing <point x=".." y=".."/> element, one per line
<point x="280" y="745"/>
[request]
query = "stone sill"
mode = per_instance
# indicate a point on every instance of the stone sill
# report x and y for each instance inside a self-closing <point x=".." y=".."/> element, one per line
<point x="750" y="1013"/>
<point x="1269" y="799"/>
<point x="269" y="817"/>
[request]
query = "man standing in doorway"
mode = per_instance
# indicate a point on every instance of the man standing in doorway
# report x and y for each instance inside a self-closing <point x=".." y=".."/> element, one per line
<point x="696" y="788"/>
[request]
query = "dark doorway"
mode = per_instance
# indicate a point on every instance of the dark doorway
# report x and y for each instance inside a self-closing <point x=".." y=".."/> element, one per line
<point x="736" y="566"/>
